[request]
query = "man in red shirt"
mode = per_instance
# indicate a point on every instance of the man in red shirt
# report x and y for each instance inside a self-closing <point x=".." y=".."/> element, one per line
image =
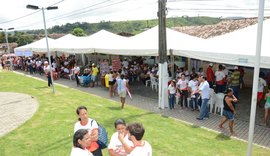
<point x="210" y="76"/>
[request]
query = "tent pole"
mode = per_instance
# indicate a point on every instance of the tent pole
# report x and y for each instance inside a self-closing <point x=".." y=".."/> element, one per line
<point x="255" y="77"/>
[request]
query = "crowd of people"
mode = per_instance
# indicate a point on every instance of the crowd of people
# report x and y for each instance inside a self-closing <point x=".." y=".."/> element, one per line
<point x="126" y="141"/>
<point x="194" y="85"/>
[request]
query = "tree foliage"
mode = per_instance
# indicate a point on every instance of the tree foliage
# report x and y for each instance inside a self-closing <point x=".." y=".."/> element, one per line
<point x="84" y="28"/>
<point x="78" y="32"/>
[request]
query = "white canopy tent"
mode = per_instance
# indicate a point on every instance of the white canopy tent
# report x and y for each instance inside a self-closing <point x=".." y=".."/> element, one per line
<point x="238" y="47"/>
<point x="38" y="46"/>
<point x="143" y="44"/>
<point x="72" y="44"/>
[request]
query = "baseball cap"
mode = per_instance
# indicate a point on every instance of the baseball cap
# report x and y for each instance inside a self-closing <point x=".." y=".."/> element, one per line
<point x="211" y="64"/>
<point x="235" y="67"/>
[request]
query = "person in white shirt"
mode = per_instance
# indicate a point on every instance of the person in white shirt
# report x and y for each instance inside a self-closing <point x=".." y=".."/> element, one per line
<point x="204" y="91"/>
<point x="220" y="79"/>
<point x="182" y="87"/>
<point x="122" y="86"/>
<point x="81" y="140"/>
<point x="136" y="133"/>
<point x="76" y="71"/>
<point x="193" y="86"/>
<point x="116" y="148"/>
<point x="91" y="125"/>
<point x="171" y="93"/>
<point x="125" y="63"/>
<point x="46" y="69"/>
<point x="261" y="85"/>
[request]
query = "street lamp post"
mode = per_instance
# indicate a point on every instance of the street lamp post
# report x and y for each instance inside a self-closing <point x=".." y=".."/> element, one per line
<point x="46" y="35"/>
<point x="6" y="35"/>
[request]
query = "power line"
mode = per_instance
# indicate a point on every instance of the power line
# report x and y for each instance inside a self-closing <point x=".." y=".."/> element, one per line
<point x="29" y="14"/>
<point x="20" y="17"/>
<point x="79" y="13"/>
<point x="213" y="9"/>
<point x="63" y="15"/>
<point x="87" y="11"/>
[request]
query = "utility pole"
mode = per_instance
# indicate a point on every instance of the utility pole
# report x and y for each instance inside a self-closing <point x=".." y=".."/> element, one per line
<point x="163" y="74"/>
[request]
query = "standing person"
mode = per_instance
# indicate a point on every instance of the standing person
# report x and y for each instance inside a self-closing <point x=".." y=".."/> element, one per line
<point x="116" y="148"/>
<point x="141" y="147"/>
<point x="229" y="110"/>
<point x="91" y="125"/>
<point x="235" y="81"/>
<point x="193" y="87"/>
<point x="94" y="75"/>
<point x="220" y="79"/>
<point x="122" y="85"/>
<point x="47" y="72"/>
<point x="204" y="91"/>
<point x="182" y="87"/>
<point x="266" y="107"/>
<point x="261" y="85"/>
<point x="81" y="140"/>
<point x="210" y="75"/>
<point x="111" y="83"/>
<point x="76" y="73"/>
<point x="241" y="78"/>
<point x="171" y="93"/>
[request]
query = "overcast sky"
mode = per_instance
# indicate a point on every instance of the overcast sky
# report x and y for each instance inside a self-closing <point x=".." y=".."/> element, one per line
<point x="15" y="14"/>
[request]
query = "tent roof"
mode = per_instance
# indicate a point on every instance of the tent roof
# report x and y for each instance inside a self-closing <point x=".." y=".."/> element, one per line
<point x="72" y="44"/>
<point x="238" y="47"/>
<point x="39" y="46"/>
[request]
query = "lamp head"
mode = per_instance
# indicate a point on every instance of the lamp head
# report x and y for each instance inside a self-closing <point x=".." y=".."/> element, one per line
<point x="52" y="8"/>
<point x="32" y="7"/>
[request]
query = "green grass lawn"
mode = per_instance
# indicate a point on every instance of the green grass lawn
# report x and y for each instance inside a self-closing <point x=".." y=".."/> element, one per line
<point x="49" y="132"/>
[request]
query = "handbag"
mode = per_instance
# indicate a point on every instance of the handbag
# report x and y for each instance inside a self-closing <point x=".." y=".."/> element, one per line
<point x="102" y="136"/>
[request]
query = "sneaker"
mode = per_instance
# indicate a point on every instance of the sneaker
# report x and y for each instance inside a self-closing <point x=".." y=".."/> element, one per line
<point x="206" y="118"/>
<point x="199" y="118"/>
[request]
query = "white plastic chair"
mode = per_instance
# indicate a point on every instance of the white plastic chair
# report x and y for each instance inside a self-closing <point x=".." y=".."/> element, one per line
<point x="219" y="103"/>
<point x="154" y="83"/>
<point x="212" y="99"/>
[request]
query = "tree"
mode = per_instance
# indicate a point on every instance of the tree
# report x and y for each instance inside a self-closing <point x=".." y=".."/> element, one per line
<point x="22" y="38"/>
<point x="78" y="32"/>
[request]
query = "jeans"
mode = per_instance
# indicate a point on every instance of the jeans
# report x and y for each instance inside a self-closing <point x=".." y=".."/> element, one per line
<point x="49" y="80"/>
<point x="204" y="109"/>
<point x="183" y="97"/>
<point x="171" y="101"/>
<point x="194" y="101"/>
<point x="235" y="91"/>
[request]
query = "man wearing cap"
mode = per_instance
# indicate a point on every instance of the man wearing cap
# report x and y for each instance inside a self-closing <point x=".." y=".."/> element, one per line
<point x="94" y="74"/>
<point x="235" y="81"/>
<point x="210" y="76"/>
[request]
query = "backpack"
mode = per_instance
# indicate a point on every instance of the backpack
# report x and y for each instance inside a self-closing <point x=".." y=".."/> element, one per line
<point x="102" y="136"/>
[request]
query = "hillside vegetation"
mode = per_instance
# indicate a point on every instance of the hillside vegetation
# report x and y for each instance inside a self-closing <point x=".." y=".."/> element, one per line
<point x="132" y="27"/>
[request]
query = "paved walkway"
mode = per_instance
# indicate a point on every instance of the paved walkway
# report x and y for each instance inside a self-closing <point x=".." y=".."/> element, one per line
<point x="145" y="98"/>
<point x="15" y="109"/>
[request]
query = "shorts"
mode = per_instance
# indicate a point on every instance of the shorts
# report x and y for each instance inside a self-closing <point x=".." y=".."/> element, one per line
<point x="228" y="114"/>
<point x="111" y="83"/>
<point x="260" y="95"/>
<point x="93" y="78"/>
<point x="267" y="105"/>
<point x="122" y="94"/>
